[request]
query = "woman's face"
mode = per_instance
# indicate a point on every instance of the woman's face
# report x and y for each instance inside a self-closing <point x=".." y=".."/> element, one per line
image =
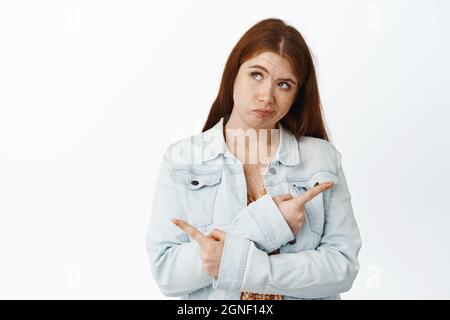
<point x="264" y="90"/>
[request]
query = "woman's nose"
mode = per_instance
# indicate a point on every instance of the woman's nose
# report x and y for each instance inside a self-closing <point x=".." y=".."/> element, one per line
<point x="266" y="93"/>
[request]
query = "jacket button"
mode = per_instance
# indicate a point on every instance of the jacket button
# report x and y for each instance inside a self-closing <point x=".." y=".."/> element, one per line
<point x="194" y="182"/>
<point x="272" y="171"/>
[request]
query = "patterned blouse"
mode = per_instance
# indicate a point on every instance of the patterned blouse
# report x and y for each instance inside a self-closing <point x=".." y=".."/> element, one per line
<point x="260" y="296"/>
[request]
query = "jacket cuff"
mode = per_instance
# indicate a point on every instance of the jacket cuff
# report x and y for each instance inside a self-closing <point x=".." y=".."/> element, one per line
<point x="232" y="263"/>
<point x="270" y="220"/>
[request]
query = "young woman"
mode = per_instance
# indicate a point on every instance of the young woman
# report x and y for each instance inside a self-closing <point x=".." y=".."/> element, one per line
<point x="256" y="206"/>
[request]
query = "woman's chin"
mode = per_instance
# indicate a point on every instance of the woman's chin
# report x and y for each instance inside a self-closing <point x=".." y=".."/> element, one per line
<point x="262" y="125"/>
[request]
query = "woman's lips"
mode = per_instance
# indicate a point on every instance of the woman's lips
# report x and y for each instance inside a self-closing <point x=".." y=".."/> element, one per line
<point x="261" y="113"/>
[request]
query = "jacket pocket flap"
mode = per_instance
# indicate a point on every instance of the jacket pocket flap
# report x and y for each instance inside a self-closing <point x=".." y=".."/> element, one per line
<point x="195" y="181"/>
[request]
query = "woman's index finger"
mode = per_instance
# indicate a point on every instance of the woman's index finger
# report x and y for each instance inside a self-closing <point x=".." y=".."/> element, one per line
<point x="190" y="230"/>
<point x="313" y="192"/>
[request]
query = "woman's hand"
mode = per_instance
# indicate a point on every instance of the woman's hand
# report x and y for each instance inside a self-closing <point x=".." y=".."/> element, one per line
<point x="293" y="209"/>
<point x="211" y="246"/>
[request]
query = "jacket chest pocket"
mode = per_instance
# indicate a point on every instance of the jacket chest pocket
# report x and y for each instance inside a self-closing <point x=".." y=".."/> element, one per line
<point x="315" y="208"/>
<point x="197" y="192"/>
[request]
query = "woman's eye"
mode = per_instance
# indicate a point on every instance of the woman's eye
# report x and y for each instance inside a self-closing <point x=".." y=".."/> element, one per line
<point x="255" y="74"/>
<point x="287" y="85"/>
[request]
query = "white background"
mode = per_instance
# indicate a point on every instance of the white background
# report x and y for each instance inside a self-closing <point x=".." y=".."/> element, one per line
<point x="91" y="93"/>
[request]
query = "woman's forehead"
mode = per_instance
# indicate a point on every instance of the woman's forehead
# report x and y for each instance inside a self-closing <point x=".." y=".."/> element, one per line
<point x="272" y="62"/>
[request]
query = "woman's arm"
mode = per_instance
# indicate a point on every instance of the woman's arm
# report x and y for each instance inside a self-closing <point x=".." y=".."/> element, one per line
<point x="328" y="270"/>
<point x="175" y="261"/>
<point x="262" y="223"/>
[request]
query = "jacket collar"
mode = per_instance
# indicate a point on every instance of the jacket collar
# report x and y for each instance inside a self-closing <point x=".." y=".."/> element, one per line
<point x="214" y="145"/>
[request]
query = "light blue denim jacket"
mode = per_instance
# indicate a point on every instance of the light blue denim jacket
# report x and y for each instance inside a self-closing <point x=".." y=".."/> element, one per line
<point x="201" y="181"/>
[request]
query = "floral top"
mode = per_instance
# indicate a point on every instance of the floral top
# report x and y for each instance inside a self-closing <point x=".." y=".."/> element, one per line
<point x="260" y="296"/>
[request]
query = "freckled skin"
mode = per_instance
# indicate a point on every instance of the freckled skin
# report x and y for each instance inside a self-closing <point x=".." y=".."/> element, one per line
<point x="262" y="91"/>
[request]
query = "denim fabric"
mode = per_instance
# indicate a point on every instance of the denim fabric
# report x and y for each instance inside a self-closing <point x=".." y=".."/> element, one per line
<point x="201" y="181"/>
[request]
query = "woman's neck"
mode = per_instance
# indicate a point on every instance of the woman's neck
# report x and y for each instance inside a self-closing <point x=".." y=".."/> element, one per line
<point x="251" y="145"/>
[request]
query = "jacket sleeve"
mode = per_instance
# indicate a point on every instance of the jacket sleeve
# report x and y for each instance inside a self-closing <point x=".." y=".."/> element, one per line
<point x="328" y="270"/>
<point x="175" y="260"/>
<point x="262" y="223"/>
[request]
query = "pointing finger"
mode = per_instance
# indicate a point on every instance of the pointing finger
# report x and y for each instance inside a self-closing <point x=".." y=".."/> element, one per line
<point x="310" y="194"/>
<point x="190" y="230"/>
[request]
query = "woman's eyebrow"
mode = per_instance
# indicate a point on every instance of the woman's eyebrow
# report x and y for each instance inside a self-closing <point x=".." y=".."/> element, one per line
<point x="257" y="66"/>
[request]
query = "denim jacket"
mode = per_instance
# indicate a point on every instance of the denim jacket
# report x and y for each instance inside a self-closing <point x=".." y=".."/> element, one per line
<point x="201" y="181"/>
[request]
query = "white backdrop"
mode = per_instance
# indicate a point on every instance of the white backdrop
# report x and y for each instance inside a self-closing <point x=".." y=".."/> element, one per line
<point x="91" y="93"/>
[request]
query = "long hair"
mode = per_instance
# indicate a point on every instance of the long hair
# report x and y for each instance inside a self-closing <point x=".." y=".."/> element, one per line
<point x="305" y="115"/>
